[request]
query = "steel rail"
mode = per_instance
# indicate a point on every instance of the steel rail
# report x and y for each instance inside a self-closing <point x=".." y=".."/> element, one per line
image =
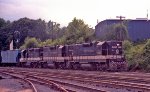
<point x="26" y="80"/>
<point x="108" y="82"/>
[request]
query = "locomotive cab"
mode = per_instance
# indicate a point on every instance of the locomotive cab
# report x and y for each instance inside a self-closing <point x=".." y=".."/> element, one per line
<point x="112" y="48"/>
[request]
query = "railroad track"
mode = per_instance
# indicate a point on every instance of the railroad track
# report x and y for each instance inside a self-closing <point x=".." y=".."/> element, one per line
<point x="141" y="87"/>
<point x="31" y="80"/>
<point x="89" y="73"/>
<point x="69" y="84"/>
<point x="108" y="76"/>
<point x="122" y="80"/>
<point x="55" y="84"/>
<point x="33" y="88"/>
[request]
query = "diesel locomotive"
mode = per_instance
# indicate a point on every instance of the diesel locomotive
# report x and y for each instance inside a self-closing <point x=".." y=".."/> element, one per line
<point x="105" y="56"/>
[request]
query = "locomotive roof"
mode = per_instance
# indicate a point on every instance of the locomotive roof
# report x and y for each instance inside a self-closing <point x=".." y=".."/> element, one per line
<point x="33" y="48"/>
<point x="61" y="46"/>
<point x="100" y="43"/>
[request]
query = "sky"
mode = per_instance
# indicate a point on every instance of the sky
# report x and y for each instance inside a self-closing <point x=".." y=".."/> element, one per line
<point x="63" y="11"/>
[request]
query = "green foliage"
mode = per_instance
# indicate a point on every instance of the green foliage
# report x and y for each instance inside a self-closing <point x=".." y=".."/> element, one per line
<point x="127" y="45"/>
<point x="121" y="32"/>
<point x="5" y="36"/>
<point x="145" y="64"/>
<point x="2" y="22"/>
<point x="38" y="29"/>
<point x="133" y="56"/>
<point x="46" y="43"/>
<point x="30" y="43"/>
<point x="138" y="55"/>
<point x="50" y="42"/>
<point x="147" y="48"/>
<point x="49" y="33"/>
<point x="77" y="32"/>
<point x="115" y="32"/>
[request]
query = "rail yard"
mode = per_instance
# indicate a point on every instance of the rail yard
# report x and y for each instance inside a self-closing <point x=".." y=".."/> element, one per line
<point x="74" y="46"/>
<point x="49" y="80"/>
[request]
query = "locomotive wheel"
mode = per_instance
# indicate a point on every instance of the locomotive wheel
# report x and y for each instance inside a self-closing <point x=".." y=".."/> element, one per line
<point x="68" y="65"/>
<point x="23" y="64"/>
<point x="31" y="65"/>
<point x="103" y="66"/>
<point x="123" y="66"/>
<point x="76" y="65"/>
<point x="44" y="64"/>
<point x="112" y="66"/>
<point x="71" y="66"/>
<point x="39" y="64"/>
<point x="35" y="64"/>
<point x="61" y="65"/>
<point x="94" y="66"/>
<point x="56" y="65"/>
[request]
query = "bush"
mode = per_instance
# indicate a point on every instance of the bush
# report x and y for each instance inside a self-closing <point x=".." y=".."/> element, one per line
<point x="138" y="56"/>
<point x="147" y="48"/>
<point x="127" y="45"/>
<point x="30" y="43"/>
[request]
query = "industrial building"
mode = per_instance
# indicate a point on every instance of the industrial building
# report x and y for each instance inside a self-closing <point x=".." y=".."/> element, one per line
<point x="138" y="29"/>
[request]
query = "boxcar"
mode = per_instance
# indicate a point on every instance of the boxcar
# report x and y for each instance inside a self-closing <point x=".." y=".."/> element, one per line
<point x="10" y="57"/>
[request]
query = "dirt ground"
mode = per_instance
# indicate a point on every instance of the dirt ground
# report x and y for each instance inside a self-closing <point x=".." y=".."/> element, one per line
<point x="2" y="89"/>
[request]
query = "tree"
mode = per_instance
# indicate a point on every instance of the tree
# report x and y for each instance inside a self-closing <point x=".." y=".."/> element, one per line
<point x="127" y="45"/>
<point x="5" y="36"/>
<point x="78" y="31"/>
<point x="115" y="32"/>
<point x="147" y="48"/>
<point x="145" y="57"/>
<point x="121" y="32"/>
<point x="2" y="22"/>
<point x="146" y="52"/>
<point x="30" y="43"/>
<point x="46" y="43"/>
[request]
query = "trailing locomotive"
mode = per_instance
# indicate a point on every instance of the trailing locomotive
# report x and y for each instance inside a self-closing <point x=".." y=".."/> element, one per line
<point x="107" y="55"/>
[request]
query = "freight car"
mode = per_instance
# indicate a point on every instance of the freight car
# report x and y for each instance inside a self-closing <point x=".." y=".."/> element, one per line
<point x="10" y="57"/>
<point x="107" y="55"/>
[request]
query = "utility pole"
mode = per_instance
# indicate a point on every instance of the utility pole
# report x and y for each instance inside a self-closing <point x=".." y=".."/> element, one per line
<point x="53" y="28"/>
<point x="52" y="25"/>
<point x="120" y="17"/>
<point x="147" y="15"/>
<point x="16" y="38"/>
<point x="119" y="35"/>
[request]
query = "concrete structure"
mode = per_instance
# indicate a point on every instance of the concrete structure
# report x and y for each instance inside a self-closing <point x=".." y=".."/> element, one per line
<point x="138" y="29"/>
